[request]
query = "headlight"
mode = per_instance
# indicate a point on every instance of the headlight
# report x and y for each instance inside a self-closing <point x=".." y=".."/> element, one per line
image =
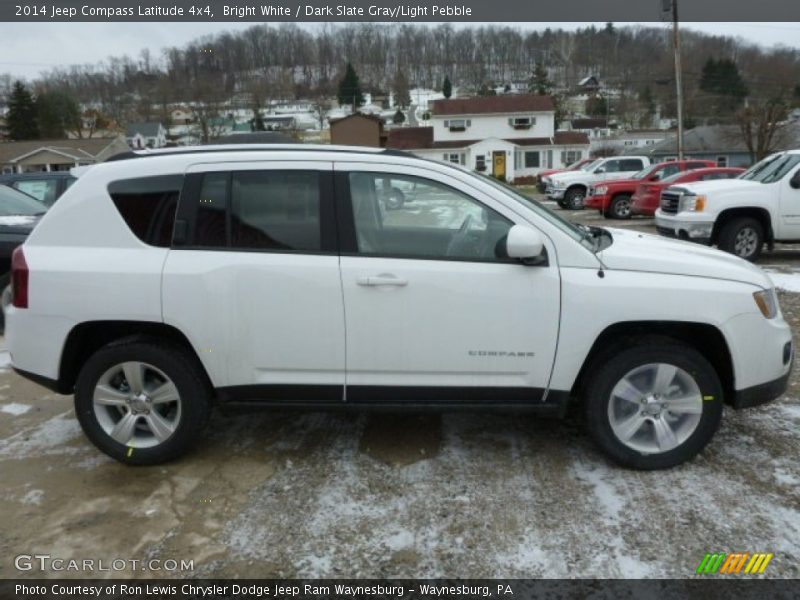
<point x="767" y="302"/>
<point x="692" y="203"/>
<point x="601" y="191"/>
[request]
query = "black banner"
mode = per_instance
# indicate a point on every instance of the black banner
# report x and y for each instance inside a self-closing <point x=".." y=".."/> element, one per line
<point x="394" y="11"/>
<point x="399" y="589"/>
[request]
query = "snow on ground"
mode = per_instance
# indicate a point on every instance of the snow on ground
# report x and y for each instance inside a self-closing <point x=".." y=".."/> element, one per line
<point x="15" y="408"/>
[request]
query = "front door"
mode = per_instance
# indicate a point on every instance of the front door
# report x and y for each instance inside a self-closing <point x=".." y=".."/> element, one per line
<point x="433" y="309"/>
<point x="256" y="279"/>
<point x="499" y="164"/>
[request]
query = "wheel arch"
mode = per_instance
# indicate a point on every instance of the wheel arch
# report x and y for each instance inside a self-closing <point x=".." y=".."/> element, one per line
<point x="754" y="212"/>
<point x="86" y="338"/>
<point x="705" y="338"/>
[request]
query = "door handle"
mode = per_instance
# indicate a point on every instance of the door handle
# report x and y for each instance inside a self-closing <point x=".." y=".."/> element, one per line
<point x="376" y="280"/>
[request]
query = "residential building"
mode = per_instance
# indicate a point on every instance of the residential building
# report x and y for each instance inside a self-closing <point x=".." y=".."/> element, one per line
<point x="358" y="130"/>
<point x="509" y="136"/>
<point x="181" y="115"/>
<point x="627" y="141"/>
<point x="146" y="135"/>
<point x="57" y="155"/>
<point x="724" y="144"/>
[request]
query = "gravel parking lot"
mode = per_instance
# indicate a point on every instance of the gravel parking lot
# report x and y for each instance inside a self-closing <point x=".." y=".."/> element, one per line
<point x="382" y="495"/>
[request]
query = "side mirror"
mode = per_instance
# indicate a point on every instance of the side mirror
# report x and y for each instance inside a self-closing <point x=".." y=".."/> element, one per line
<point x="525" y="244"/>
<point x="795" y="180"/>
<point x="655" y="177"/>
<point x="600" y="170"/>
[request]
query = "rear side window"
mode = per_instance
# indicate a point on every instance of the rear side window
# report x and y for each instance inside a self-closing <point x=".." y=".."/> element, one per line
<point x="630" y="164"/>
<point x="260" y="210"/>
<point x="148" y="204"/>
<point x="44" y="190"/>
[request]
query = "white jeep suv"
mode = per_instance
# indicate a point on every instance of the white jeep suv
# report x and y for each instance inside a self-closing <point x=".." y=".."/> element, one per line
<point x="163" y="282"/>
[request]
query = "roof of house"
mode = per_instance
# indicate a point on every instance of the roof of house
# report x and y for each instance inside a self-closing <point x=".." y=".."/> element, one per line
<point x="724" y="139"/>
<point x="590" y="80"/>
<point x="369" y="116"/>
<point x="418" y="138"/>
<point x="492" y="105"/>
<point x="255" y="137"/>
<point x="79" y="149"/>
<point x="144" y="129"/>
<point x="589" y="123"/>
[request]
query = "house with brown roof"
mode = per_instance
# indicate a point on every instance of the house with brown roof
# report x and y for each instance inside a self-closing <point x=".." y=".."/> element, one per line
<point x="508" y="136"/>
<point x="57" y="155"/>
<point x="358" y="129"/>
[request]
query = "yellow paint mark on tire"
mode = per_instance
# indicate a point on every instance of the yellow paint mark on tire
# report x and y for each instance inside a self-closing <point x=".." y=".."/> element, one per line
<point x="708" y="398"/>
<point x="130" y="452"/>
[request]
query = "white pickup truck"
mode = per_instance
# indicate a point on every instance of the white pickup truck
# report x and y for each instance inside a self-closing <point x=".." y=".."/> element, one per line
<point x="569" y="188"/>
<point x="739" y="215"/>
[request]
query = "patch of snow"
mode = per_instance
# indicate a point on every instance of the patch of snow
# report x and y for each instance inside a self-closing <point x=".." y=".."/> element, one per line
<point x="15" y="408"/>
<point x="788" y="282"/>
<point x="33" y="497"/>
<point x="48" y="437"/>
<point x="605" y="493"/>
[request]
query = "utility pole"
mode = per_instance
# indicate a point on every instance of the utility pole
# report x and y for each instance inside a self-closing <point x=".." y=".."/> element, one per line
<point x="676" y="46"/>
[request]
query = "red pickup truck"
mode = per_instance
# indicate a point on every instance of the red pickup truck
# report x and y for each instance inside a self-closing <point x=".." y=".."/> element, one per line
<point x="613" y="198"/>
<point x="648" y="195"/>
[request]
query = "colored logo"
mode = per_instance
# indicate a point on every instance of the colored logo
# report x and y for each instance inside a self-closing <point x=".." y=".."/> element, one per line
<point x="736" y="563"/>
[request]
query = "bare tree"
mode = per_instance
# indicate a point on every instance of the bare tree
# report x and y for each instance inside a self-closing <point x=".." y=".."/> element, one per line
<point x="763" y="127"/>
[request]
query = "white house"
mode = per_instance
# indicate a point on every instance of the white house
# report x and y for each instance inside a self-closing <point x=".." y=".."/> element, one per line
<point x="508" y="136"/>
<point x="630" y="141"/>
<point x="146" y="135"/>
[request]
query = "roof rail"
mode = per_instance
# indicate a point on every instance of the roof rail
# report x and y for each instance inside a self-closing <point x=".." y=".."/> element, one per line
<point x="211" y="149"/>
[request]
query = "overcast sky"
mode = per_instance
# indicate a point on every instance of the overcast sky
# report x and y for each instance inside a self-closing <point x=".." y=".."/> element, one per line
<point x="29" y="48"/>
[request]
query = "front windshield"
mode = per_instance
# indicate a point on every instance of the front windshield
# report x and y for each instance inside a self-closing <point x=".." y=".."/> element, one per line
<point x="772" y="168"/>
<point x="576" y="233"/>
<point x="591" y="165"/>
<point x="674" y="177"/>
<point x="14" y="203"/>
<point x="645" y="172"/>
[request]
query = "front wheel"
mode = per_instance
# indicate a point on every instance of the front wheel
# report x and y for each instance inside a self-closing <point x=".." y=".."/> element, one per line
<point x="574" y="198"/>
<point x="142" y="402"/>
<point x="620" y="207"/>
<point x="654" y="405"/>
<point x="743" y="237"/>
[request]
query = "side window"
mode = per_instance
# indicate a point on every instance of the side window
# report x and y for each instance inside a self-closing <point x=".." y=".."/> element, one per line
<point x="696" y="165"/>
<point x="147" y="205"/>
<point x="611" y="166"/>
<point x="259" y="210"/>
<point x="276" y="210"/>
<point x="404" y="216"/>
<point x="631" y="164"/>
<point x="44" y="190"/>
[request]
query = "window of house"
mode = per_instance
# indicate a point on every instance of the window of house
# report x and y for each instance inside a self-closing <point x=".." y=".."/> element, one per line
<point x="441" y="223"/>
<point x="532" y="159"/>
<point x="480" y="162"/>
<point x="458" y="124"/>
<point x="570" y="156"/>
<point x="457" y="158"/>
<point x="722" y="161"/>
<point x="148" y="204"/>
<point x="522" y="122"/>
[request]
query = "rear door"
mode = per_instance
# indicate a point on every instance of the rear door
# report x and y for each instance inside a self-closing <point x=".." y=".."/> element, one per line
<point x="434" y="311"/>
<point x="253" y="279"/>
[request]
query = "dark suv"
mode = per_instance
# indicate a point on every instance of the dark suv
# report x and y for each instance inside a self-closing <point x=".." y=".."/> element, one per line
<point x="44" y="186"/>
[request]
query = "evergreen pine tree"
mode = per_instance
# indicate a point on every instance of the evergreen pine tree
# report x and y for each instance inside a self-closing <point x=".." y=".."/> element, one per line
<point x="21" y="117"/>
<point x="447" y="87"/>
<point x="350" y="89"/>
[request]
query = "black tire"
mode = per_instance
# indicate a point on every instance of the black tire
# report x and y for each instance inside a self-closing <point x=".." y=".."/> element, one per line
<point x="562" y="203"/>
<point x="743" y="237"/>
<point x="184" y="371"/>
<point x="613" y="366"/>
<point x="620" y="207"/>
<point x="574" y="197"/>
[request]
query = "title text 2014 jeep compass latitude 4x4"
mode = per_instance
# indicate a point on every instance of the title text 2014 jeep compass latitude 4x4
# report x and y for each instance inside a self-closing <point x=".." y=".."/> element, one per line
<point x="165" y="281"/>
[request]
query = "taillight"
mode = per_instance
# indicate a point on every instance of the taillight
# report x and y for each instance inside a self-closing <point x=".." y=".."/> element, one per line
<point x="19" y="279"/>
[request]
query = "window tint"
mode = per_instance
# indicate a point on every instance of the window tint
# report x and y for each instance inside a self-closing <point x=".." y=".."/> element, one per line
<point x="630" y="164"/>
<point x="275" y="210"/>
<point x="44" y="190"/>
<point x="398" y="215"/>
<point x="148" y="206"/>
<point x="696" y="165"/>
<point x="267" y="210"/>
<point x="210" y="227"/>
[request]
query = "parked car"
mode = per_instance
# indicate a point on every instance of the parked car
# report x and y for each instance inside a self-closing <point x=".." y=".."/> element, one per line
<point x="46" y="187"/>
<point x="543" y="178"/>
<point x="613" y="198"/>
<point x="738" y="215"/>
<point x="280" y="278"/>
<point x="19" y="213"/>
<point x="648" y="194"/>
<point x="569" y="189"/>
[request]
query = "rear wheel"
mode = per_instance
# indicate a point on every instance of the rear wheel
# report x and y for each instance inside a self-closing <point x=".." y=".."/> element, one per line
<point x="654" y="405"/>
<point x="620" y="207"/>
<point x="743" y="237"/>
<point x="142" y="402"/>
